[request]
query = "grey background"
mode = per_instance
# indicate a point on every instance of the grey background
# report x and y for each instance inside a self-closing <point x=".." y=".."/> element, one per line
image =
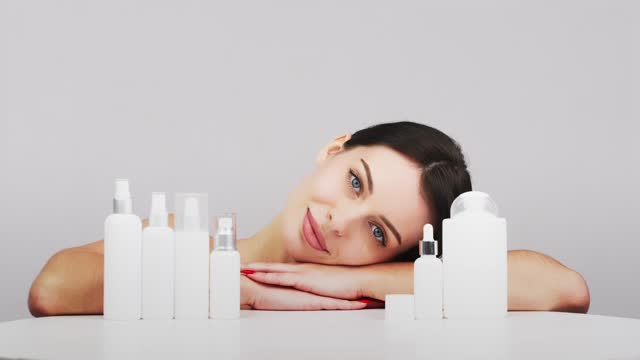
<point x="235" y="98"/>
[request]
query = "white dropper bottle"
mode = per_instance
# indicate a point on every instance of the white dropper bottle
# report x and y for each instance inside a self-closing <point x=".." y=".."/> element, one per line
<point x="225" y="272"/>
<point x="122" y="258"/>
<point x="158" y="256"/>
<point x="427" y="278"/>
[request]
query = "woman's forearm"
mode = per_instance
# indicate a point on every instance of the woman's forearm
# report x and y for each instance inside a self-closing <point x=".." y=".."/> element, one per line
<point x="536" y="282"/>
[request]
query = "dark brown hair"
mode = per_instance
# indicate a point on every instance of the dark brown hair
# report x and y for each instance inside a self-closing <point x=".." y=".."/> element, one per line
<point x="444" y="175"/>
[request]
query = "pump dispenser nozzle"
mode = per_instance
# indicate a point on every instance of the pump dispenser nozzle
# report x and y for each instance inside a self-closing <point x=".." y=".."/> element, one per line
<point x="122" y="203"/>
<point x="428" y="246"/>
<point x="226" y="233"/>
<point x="158" y="216"/>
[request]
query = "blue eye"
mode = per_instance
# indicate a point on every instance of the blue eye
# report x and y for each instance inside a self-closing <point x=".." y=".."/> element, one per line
<point x="378" y="233"/>
<point x="355" y="182"/>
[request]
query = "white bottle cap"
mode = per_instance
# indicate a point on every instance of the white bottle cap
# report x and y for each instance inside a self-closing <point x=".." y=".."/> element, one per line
<point x="122" y="190"/>
<point x="399" y="307"/>
<point x="122" y="202"/>
<point x="191" y="212"/>
<point x="474" y="202"/>
<point x="158" y="216"/>
<point x="428" y="246"/>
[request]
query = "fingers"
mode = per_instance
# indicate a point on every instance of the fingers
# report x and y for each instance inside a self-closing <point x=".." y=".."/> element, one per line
<point x="269" y="267"/>
<point x="276" y="278"/>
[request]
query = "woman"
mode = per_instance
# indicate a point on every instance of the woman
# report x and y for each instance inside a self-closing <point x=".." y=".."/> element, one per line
<point x="346" y="237"/>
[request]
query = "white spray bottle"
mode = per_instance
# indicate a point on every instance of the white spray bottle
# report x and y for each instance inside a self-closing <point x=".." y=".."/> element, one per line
<point x="192" y="257"/>
<point x="158" y="256"/>
<point x="122" y="258"/>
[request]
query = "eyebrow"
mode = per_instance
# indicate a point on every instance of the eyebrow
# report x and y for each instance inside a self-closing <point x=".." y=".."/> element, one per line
<point x="384" y="219"/>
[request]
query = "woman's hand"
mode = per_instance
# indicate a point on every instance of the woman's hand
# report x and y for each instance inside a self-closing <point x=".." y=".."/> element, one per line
<point x="333" y="281"/>
<point x="255" y="295"/>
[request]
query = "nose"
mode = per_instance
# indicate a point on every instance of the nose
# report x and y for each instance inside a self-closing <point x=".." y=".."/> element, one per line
<point x="341" y="219"/>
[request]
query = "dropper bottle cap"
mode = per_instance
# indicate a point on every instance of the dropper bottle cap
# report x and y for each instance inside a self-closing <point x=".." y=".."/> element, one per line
<point x="158" y="215"/>
<point x="122" y="203"/>
<point x="428" y="246"/>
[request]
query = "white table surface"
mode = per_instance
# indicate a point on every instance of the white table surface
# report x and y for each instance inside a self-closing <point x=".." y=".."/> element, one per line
<point x="362" y="334"/>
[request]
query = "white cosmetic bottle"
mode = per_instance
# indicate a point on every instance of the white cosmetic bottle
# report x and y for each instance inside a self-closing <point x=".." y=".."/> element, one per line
<point x="192" y="257"/>
<point x="158" y="256"/>
<point x="427" y="279"/>
<point x="122" y="258"/>
<point x="225" y="272"/>
<point x="474" y="259"/>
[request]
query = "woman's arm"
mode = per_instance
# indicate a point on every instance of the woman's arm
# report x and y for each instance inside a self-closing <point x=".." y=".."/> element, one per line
<point x="536" y="282"/>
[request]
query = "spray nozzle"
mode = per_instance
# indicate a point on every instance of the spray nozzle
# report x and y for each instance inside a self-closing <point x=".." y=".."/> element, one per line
<point x="226" y="233"/>
<point x="122" y="190"/>
<point x="158" y="216"/>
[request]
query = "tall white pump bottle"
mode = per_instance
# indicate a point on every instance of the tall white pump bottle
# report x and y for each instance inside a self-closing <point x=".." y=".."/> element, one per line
<point x="192" y="257"/>
<point x="427" y="279"/>
<point x="122" y="258"/>
<point x="474" y="259"/>
<point x="225" y="272"/>
<point x="158" y="262"/>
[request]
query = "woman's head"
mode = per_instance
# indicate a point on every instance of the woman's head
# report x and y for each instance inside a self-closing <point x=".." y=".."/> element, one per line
<point x="370" y="194"/>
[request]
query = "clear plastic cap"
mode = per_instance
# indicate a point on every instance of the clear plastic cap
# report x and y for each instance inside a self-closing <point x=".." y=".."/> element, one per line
<point x="192" y="212"/>
<point x="474" y="202"/>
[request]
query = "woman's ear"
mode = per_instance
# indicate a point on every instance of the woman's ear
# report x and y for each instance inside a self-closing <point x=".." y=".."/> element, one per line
<point x="332" y="148"/>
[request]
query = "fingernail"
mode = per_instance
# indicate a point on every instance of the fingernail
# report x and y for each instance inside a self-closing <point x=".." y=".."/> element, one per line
<point x="366" y="301"/>
<point x="247" y="272"/>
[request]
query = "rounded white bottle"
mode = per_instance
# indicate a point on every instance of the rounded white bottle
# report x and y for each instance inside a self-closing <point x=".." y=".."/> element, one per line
<point x="192" y="257"/>
<point x="474" y="259"/>
<point x="427" y="279"/>
<point x="158" y="269"/>
<point x="225" y="272"/>
<point x="122" y="258"/>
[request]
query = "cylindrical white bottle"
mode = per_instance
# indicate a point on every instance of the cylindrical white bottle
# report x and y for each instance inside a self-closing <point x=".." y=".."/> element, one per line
<point x="225" y="272"/>
<point x="158" y="269"/>
<point x="122" y="258"/>
<point x="474" y="259"/>
<point x="192" y="257"/>
<point x="427" y="278"/>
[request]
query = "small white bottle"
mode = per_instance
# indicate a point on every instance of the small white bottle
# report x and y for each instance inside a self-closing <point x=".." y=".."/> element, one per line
<point x="474" y="259"/>
<point x="225" y="272"/>
<point x="427" y="278"/>
<point x="122" y="258"/>
<point x="192" y="257"/>
<point x="158" y="256"/>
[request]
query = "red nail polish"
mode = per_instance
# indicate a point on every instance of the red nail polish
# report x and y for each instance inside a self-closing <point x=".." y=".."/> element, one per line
<point x="366" y="301"/>
<point x="247" y="272"/>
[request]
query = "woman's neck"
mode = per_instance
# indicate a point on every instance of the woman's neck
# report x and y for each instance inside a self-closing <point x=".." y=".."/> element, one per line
<point x="265" y="246"/>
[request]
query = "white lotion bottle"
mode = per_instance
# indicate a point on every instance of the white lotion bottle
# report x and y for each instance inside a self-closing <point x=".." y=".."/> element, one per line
<point x="427" y="279"/>
<point x="225" y="272"/>
<point x="122" y="258"/>
<point x="474" y="259"/>
<point x="158" y="257"/>
<point x="192" y="257"/>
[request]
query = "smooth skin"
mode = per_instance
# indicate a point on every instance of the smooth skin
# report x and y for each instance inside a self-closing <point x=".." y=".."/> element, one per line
<point x="367" y="205"/>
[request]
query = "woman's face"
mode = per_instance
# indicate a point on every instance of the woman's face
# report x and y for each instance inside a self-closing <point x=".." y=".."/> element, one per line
<point x="360" y="206"/>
